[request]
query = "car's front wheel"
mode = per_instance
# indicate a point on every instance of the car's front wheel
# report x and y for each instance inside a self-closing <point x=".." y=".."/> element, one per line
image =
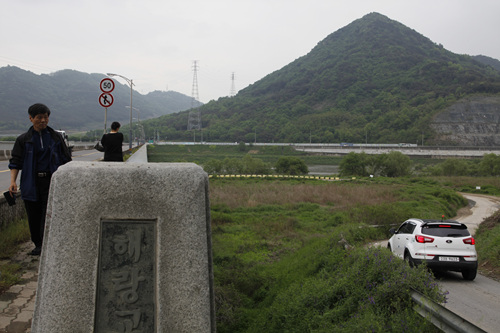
<point x="409" y="259"/>
<point x="469" y="274"/>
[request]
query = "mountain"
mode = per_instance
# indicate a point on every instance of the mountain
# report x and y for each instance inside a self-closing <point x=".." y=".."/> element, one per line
<point x="73" y="98"/>
<point x="495" y="63"/>
<point x="375" y="81"/>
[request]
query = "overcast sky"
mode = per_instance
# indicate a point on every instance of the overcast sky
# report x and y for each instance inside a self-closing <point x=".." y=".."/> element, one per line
<point x="154" y="42"/>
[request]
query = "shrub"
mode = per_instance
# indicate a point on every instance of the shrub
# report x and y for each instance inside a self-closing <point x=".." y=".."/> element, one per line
<point x="291" y="166"/>
<point x="255" y="166"/>
<point x="354" y="164"/>
<point x="396" y="165"/>
<point x="363" y="290"/>
<point x="488" y="242"/>
<point x="490" y="165"/>
<point x="213" y="166"/>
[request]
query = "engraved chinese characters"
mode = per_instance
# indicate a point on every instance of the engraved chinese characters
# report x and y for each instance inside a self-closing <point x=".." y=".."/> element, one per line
<point x="126" y="279"/>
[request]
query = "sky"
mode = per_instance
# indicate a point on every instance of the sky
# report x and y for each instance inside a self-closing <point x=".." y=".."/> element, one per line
<point x="155" y="43"/>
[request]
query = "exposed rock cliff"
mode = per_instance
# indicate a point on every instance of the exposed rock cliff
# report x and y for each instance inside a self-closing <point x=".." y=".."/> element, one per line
<point x="473" y="121"/>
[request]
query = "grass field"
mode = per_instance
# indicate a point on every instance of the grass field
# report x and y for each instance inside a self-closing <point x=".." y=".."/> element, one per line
<point x="290" y="255"/>
<point x="278" y="246"/>
<point x="202" y="153"/>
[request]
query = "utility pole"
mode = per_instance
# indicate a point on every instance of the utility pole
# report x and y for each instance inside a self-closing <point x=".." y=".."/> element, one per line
<point x="194" y="118"/>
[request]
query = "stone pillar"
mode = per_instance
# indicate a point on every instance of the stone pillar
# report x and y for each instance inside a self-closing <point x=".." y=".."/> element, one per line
<point x="127" y="248"/>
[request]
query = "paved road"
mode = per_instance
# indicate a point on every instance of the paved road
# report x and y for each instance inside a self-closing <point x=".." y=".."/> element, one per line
<point x="477" y="301"/>
<point x="443" y="153"/>
<point x="482" y="206"/>
<point x="82" y="155"/>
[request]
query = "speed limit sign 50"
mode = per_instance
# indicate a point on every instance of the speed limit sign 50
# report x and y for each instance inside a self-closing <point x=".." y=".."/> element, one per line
<point x="107" y="85"/>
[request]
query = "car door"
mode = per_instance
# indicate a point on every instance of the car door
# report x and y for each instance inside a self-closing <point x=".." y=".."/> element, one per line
<point x="401" y="238"/>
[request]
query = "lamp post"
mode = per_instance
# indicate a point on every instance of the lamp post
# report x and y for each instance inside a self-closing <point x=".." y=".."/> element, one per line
<point x="131" y="84"/>
<point x="138" y="121"/>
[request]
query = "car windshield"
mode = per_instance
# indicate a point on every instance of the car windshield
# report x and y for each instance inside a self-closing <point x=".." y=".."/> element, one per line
<point x="445" y="230"/>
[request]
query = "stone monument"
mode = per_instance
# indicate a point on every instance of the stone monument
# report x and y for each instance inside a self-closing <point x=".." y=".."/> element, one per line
<point x="127" y="248"/>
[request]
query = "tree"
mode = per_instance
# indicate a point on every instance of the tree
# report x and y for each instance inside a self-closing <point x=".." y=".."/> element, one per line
<point x="397" y="165"/>
<point x="354" y="164"/>
<point x="490" y="165"/>
<point x="291" y="166"/>
<point x="376" y="164"/>
<point x="242" y="146"/>
<point x="232" y="166"/>
<point x="254" y="166"/>
<point x="455" y="167"/>
<point x="213" y="166"/>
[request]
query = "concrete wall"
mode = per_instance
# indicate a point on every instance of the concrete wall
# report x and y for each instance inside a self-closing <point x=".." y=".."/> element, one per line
<point x="96" y="212"/>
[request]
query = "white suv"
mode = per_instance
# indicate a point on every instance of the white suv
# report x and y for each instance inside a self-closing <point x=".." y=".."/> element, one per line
<point x="442" y="245"/>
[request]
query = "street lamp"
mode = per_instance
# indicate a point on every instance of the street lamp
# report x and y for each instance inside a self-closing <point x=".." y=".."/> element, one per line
<point x="139" y="124"/>
<point x="131" y="84"/>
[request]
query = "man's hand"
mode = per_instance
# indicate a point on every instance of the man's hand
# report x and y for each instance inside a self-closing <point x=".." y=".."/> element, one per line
<point x="13" y="189"/>
<point x="13" y="178"/>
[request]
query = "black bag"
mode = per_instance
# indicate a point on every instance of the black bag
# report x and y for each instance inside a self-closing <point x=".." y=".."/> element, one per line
<point x="98" y="146"/>
<point x="11" y="200"/>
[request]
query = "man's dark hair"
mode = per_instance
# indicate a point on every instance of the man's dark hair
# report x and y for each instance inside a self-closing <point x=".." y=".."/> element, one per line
<point x="115" y="125"/>
<point x="37" y="109"/>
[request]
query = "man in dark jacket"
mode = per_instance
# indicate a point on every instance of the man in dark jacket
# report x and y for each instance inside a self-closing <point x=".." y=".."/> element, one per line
<point x="38" y="153"/>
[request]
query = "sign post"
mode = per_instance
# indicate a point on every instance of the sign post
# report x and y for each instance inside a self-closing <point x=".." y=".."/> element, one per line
<point x="107" y="85"/>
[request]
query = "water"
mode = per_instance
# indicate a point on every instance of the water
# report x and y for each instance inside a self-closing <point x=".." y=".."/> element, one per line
<point x="323" y="170"/>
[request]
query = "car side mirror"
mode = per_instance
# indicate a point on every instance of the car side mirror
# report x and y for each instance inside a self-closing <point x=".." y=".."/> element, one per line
<point x="392" y="231"/>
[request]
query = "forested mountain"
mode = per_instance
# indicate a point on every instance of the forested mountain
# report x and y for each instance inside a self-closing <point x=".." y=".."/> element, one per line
<point x="73" y="97"/>
<point x="374" y="80"/>
<point x="488" y="61"/>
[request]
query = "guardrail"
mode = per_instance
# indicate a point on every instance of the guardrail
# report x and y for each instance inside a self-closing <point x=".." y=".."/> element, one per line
<point x="441" y="317"/>
<point x="280" y="176"/>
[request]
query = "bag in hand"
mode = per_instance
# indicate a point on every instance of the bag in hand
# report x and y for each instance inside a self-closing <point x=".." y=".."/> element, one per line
<point x="98" y="146"/>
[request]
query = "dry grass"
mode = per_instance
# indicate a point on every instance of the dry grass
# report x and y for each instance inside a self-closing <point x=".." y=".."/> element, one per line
<point x="340" y="195"/>
<point x="459" y="181"/>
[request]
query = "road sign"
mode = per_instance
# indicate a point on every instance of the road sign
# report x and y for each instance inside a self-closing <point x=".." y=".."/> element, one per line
<point x="106" y="100"/>
<point x="107" y="85"/>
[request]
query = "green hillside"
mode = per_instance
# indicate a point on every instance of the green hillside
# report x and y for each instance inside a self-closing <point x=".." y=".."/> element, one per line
<point x="375" y="80"/>
<point x="73" y="98"/>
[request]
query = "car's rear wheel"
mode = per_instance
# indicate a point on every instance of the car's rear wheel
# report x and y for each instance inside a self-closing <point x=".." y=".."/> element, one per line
<point x="469" y="274"/>
<point x="409" y="259"/>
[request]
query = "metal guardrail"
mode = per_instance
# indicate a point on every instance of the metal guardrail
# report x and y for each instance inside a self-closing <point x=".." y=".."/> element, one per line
<point x="441" y="317"/>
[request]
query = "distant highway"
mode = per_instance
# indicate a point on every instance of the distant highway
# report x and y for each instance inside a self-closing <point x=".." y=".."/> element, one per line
<point x="429" y="152"/>
<point x="411" y="150"/>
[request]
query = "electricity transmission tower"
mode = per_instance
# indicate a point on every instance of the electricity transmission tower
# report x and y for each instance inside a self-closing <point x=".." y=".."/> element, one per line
<point x="194" y="118"/>
<point x="233" y="89"/>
